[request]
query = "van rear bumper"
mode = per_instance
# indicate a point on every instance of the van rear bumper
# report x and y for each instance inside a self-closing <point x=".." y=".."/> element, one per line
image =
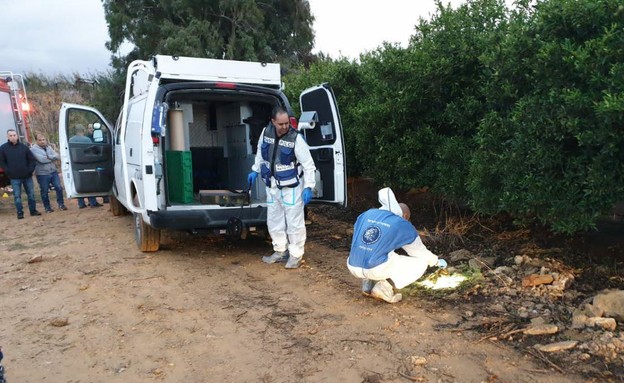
<point x="206" y="219"/>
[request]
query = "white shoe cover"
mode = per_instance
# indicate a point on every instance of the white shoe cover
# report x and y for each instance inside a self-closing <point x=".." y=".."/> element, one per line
<point x="383" y="290"/>
<point x="293" y="263"/>
<point x="278" y="256"/>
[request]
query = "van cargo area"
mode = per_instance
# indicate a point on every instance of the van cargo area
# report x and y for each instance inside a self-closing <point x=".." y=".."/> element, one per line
<point x="210" y="146"/>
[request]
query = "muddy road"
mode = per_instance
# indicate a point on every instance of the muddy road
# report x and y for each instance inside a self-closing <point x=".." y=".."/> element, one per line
<point x="80" y="303"/>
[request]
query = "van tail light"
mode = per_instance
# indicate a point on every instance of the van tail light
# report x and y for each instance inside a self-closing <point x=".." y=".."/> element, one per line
<point x="225" y="85"/>
<point x="155" y="140"/>
<point x="293" y="122"/>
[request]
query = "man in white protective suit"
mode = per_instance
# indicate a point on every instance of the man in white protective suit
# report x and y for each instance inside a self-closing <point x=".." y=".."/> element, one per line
<point x="285" y="164"/>
<point x="377" y="233"/>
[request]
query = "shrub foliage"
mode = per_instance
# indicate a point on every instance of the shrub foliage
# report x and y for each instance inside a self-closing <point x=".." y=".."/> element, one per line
<point x="509" y="110"/>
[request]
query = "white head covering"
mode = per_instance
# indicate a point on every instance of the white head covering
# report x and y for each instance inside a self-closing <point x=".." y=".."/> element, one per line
<point x="388" y="201"/>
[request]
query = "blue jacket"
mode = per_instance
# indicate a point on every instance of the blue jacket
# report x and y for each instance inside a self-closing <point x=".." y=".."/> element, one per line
<point x="376" y="233"/>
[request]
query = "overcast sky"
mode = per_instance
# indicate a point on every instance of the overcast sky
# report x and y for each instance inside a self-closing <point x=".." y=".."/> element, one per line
<point x="68" y="36"/>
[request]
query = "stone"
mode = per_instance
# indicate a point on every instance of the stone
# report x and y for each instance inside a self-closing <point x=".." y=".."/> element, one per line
<point x="611" y="302"/>
<point x="518" y="260"/>
<point x="608" y="324"/>
<point x="418" y="360"/>
<point x="460" y="255"/>
<point x="538" y="321"/>
<point x="503" y="270"/>
<point x="563" y="281"/>
<point x="559" y="346"/>
<point x="35" y="259"/>
<point x="592" y="311"/>
<point x="579" y="321"/>
<point x="541" y="329"/>
<point x="59" y="322"/>
<point x="536" y="280"/>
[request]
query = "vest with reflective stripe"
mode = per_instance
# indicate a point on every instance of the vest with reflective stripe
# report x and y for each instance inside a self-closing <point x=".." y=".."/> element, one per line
<point x="281" y="157"/>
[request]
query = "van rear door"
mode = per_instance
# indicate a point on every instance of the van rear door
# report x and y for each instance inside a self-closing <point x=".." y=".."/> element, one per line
<point x="326" y="140"/>
<point x="86" y="148"/>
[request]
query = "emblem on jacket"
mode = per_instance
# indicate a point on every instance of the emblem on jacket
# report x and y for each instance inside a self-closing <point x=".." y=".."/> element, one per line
<point x="371" y="235"/>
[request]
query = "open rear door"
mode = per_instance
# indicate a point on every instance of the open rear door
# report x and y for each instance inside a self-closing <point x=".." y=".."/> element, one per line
<point x="86" y="147"/>
<point x="321" y="125"/>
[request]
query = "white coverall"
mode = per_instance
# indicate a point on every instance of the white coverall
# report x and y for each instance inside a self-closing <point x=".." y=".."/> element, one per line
<point x="285" y="218"/>
<point x="403" y="270"/>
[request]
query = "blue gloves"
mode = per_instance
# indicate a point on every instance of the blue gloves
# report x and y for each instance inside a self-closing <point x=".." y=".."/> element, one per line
<point x="442" y="263"/>
<point x="306" y="196"/>
<point x="251" y="178"/>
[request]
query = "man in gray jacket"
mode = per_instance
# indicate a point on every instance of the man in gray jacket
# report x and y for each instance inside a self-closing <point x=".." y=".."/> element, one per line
<point x="46" y="172"/>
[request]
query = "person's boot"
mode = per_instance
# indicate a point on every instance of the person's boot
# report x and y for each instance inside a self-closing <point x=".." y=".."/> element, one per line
<point x="278" y="256"/>
<point x="383" y="290"/>
<point x="293" y="262"/>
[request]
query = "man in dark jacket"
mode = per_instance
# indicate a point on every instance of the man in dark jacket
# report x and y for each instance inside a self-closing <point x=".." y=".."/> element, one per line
<point x="19" y="164"/>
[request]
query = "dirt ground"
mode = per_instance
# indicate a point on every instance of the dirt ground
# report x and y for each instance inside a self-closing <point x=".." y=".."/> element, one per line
<point x="80" y="303"/>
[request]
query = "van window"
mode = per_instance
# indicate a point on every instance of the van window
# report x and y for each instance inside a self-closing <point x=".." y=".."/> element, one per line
<point x="7" y="118"/>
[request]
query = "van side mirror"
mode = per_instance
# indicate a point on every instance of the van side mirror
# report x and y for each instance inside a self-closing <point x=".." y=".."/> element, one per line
<point x="308" y="120"/>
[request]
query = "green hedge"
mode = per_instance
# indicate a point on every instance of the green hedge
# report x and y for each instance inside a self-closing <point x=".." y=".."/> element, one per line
<point x="509" y="110"/>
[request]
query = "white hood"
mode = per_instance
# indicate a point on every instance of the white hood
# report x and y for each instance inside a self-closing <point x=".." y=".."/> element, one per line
<point x="388" y="201"/>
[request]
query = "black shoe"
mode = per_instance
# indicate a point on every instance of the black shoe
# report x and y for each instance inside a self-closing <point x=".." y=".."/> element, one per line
<point x="82" y="207"/>
<point x="34" y="213"/>
<point x="96" y="205"/>
<point x="62" y="207"/>
<point x="50" y="210"/>
<point x="20" y="215"/>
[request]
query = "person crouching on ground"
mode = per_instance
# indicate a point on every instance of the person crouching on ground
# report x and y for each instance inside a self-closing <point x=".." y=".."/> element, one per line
<point x="377" y="233"/>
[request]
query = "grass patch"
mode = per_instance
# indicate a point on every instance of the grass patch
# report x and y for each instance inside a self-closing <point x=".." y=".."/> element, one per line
<point x="418" y="289"/>
<point x="17" y="247"/>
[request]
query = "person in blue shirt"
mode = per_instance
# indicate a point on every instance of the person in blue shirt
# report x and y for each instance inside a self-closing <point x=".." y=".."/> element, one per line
<point x="376" y="236"/>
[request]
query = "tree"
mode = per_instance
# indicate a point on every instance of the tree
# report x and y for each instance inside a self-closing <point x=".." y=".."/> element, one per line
<point x="271" y="30"/>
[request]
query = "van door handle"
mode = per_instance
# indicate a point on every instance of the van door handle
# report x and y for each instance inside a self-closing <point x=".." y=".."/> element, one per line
<point x="130" y="152"/>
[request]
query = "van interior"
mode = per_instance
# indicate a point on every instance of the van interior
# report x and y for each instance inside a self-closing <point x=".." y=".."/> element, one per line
<point x="210" y="146"/>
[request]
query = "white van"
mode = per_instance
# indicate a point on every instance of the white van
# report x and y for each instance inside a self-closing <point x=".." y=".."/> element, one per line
<point x="185" y="140"/>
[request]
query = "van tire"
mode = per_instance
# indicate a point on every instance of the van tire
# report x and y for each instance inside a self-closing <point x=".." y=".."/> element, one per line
<point x="116" y="207"/>
<point x="147" y="238"/>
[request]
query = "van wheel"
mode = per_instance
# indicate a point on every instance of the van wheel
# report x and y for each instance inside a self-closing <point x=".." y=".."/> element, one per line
<point x="147" y="238"/>
<point x="116" y="207"/>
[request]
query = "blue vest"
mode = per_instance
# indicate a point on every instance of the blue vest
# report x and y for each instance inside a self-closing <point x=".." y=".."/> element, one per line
<point x="376" y="233"/>
<point x="281" y="157"/>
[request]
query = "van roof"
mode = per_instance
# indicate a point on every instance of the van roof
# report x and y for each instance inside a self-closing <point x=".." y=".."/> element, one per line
<point x="203" y="69"/>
